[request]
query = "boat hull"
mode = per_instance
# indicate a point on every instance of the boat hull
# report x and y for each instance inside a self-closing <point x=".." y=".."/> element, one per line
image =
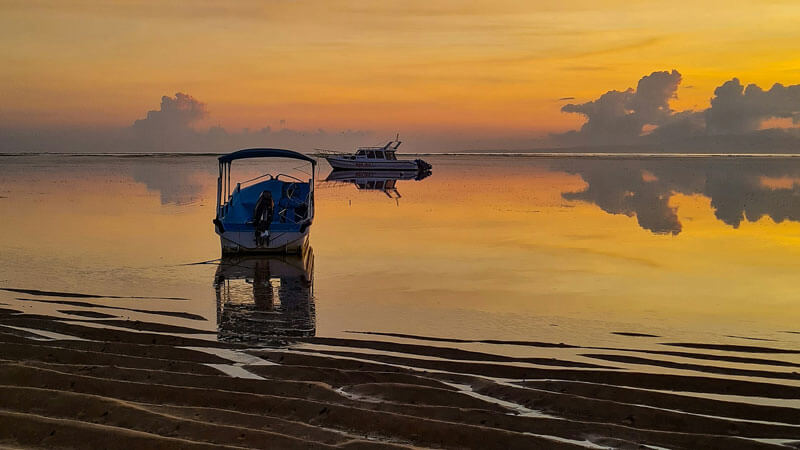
<point x="360" y="164"/>
<point x="280" y="242"/>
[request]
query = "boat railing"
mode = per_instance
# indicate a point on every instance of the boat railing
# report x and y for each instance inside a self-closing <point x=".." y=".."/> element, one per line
<point x="227" y="202"/>
<point x="257" y="178"/>
<point x="269" y="176"/>
<point x="322" y="153"/>
<point x="277" y="177"/>
<point x="284" y="212"/>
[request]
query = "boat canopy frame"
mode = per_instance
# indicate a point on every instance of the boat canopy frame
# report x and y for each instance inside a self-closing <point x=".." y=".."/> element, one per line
<point x="224" y="180"/>
<point x="265" y="153"/>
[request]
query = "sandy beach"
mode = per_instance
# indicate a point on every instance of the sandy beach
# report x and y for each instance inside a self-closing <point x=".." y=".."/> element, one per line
<point x="98" y="383"/>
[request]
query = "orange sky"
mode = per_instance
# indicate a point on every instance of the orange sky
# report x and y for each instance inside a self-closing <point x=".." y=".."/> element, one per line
<point x="495" y="67"/>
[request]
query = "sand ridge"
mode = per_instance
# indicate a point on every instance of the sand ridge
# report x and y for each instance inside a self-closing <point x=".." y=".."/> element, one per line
<point x="151" y="389"/>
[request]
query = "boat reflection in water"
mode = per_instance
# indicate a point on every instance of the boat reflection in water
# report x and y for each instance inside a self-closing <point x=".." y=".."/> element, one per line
<point x="377" y="180"/>
<point x="265" y="298"/>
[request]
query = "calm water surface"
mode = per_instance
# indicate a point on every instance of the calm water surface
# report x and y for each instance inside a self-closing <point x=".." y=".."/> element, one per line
<point x="508" y="248"/>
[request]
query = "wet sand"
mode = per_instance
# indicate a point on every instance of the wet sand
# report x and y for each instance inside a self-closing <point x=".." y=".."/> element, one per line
<point x="67" y="384"/>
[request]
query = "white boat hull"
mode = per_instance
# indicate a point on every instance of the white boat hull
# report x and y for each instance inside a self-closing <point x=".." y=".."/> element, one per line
<point x="279" y="242"/>
<point x="360" y="164"/>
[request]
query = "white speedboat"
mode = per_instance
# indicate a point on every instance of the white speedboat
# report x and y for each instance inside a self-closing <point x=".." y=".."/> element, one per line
<point x="374" y="158"/>
<point x="269" y="213"/>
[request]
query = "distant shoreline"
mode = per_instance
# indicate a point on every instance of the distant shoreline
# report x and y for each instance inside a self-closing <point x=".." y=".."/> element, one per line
<point x="518" y="154"/>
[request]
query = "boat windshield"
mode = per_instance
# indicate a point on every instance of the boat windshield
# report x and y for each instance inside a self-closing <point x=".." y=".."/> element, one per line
<point x="376" y="153"/>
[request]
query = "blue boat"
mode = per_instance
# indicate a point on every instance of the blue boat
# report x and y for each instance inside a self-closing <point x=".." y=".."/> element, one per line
<point x="269" y="213"/>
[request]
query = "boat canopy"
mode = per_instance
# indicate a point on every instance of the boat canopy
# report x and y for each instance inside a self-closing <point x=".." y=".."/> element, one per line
<point x="224" y="190"/>
<point x="265" y="153"/>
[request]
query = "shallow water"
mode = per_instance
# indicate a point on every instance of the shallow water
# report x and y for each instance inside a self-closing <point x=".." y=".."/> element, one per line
<point x="556" y="249"/>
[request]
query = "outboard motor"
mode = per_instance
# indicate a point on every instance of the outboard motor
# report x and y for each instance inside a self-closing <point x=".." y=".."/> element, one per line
<point x="262" y="217"/>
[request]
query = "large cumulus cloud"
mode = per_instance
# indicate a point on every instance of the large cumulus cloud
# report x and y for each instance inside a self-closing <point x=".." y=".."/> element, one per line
<point x="174" y="127"/>
<point x="736" y="109"/>
<point x="170" y="129"/>
<point x="620" y="116"/>
<point x="176" y="113"/>
<point x="643" y="115"/>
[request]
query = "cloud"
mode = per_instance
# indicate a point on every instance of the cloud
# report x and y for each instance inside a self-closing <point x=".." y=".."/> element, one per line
<point x="642" y="43"/>
<point x="643" y="117"/>
<point x="639" y="119"/>
<point x="684" y="124"/>
<point x="651" y="102"/>
<point x="171" y="129"/>
<point x="736" y="109"/>
<point x="620" y="116"/>
<point x="175" y="113"/>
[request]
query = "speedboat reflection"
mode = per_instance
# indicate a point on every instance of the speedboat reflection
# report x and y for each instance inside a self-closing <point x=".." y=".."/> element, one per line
<point x="262" y="299"/>
<point x="379" y="180"/>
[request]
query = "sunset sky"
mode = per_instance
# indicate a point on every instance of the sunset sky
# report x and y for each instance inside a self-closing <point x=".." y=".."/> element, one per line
<point x="494" y="68"/>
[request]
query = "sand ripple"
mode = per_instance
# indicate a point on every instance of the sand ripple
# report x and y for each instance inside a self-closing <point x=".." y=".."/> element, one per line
<point x="144" y="385"/>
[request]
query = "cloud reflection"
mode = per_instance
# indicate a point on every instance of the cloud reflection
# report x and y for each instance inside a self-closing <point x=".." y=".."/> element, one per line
<point x="179" y="180"/>
<point x="740" y="190"/>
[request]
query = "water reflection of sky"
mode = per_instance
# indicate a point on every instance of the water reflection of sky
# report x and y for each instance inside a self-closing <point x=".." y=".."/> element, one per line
<point x="559" y="249"/>
<point x="739" y="189"/>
